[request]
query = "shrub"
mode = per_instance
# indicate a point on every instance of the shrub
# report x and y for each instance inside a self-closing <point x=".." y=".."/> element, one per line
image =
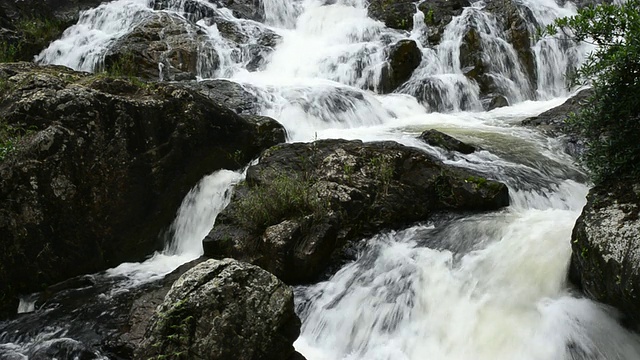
<point x="286" y="195"/>
<point x="8" y="52"/>
<point x="610" y="121"/>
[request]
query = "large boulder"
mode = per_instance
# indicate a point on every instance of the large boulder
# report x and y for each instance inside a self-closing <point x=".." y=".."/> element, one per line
<point x="438" y="14"/>
<point x="93" y="168"/>
<point x="605" y="262"/>
<point x="166" y="46"/>
<point x="404" y="57"/>
<point x="303" y="202"/>
<point x="224" y="310"/>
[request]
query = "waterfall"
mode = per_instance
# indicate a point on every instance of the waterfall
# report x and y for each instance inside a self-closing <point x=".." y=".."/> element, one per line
<point x="484" y="286"/>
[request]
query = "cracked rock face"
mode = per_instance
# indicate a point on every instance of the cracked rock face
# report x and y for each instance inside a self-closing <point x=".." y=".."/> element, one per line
<point x="605" y="262"/>
<point x="224" y="309"/>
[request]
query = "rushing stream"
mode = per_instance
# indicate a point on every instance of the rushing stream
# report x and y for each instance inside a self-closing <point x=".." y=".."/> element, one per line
<point x="487" y="286"/>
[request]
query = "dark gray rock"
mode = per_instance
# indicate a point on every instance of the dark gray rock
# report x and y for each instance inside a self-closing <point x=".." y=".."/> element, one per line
<point x="404" y="57"/>
<point x="303" y="202"/>
<point x="438" y="14"/>
<point x="553" y="122"/>
<point x="605" y="262"/>
<point x="444" y="141"/>
<point x="396" y="14"/>
<point x="168" y="47"/>
<point x="498" y="102"/>
<point x="100" y="166"/>
<point x="229" y="94"/>
<point x="224" y="310"/>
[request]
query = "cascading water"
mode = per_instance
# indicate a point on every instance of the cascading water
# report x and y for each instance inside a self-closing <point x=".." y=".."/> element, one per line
<point x="488" y="286"/>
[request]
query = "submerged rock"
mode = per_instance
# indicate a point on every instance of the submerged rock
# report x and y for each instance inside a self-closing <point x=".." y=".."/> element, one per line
<point x="224" y="310"/>
<point x="303" y="202"/>
<point x="94" y="168"/>
<point x="444" y="141"/>
<point x="605" y="262"/>
<point x="498" y="102"/>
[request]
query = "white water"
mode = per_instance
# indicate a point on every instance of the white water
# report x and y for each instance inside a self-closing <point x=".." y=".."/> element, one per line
<point x="489" y="286"/>
<point x="193" y="222"/>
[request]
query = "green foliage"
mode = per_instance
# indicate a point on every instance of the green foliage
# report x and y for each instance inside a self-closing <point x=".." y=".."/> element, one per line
<point x="286" y="195"/>
<point x="36" y="33"/>
<point x="10" y="136"/>
<point x="42" y="29"/>
<point x="8" y="52"/>
<point x="429" y="17"/>
<point x="384" y="170"/>
<point x="477" y="180"/>
<point x="123" y="66"/>
<point x="610" y="120"/>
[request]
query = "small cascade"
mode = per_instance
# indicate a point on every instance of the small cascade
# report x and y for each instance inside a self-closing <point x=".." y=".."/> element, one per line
<point x="83" y="46"/>
<point x="473" y="51"/>
<point x="334" y="42"/>
<point x="554" y="57"/>
<point x="199" y="210"/>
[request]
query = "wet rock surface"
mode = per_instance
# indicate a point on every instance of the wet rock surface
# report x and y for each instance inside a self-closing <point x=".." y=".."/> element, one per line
<point x="447" y="142"/>
<point x="438" y="14"/>
<point x="98" y="166"/>
<point x="518" y="21"/>
<point x="605" y="262"/>
<point x="404" y="57"/>
<point x="303" y="202"/>
<point x="168" y="47"/>
<point x="164" y="46"/>
<point x="553" y="122"/>
<point x="229" y="94"/>
<point x="396" y="14"/>
<point x="224" y="309"/>
<point x="87" y="317"/>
